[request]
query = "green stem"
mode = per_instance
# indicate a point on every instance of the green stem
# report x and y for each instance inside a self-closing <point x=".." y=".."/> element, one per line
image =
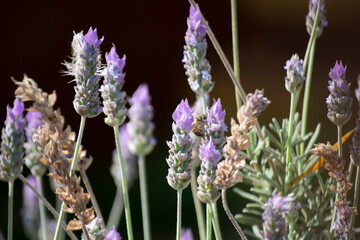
<point x="72" y="170"/>
<point x="235" y="44"/>
<point x="290" y="132"/>
<point x="42" y="209"/>
<point x="204" y="105"/>
<point x="10" y="210"/>
<point x="124" y="185"/>
<point x="306" y="99"/>
<point x="356" y="197"/>
<point x="93" y="198"/>
<point x="216" y="223"/>
<point x="198" y="208"/>
<point x="178" y="222"/>
<point x="230" y="216"/>
<point x="208" y="221"/>
<point x="144" y="198"/>
<point x="116" y="210"/>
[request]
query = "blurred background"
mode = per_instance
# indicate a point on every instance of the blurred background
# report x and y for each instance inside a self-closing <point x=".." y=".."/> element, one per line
<point x="36" y="38"/>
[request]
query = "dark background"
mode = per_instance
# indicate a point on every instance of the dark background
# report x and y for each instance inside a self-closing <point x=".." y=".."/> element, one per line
<point x="36" y="37"/>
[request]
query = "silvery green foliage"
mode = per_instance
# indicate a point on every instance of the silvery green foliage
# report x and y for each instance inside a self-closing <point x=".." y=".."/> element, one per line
<point x="12" y="142"/>
<point x="207" y="191"/>
<point x="310" y="18"/>
<point x="196" y="65"/>
<point x="339" y="101"/>
<point x="111" y="90"/>
<point x="85" y="67"/>
<point x="140" y="126"/>
<point x="94" y="230"/>
<point x="180" y="152"/>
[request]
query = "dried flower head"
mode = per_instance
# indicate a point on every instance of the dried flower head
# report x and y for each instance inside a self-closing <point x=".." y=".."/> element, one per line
<point x="140" y="126"/>
<point x="196" y="65"/>
<point x="339" y="101"/>
<point x="254" y="105"/>
<point x="274" y="225"/>
<point x="113" y="235"/>
<point x="85" y="67"/>
<point x="310" y="18"/>
<point x="207" y="192"/>
<point x="12" y="142"/>
<point x="180" y="160"/>
<point x="294" y="78"/>
<point x="113" y="98"/>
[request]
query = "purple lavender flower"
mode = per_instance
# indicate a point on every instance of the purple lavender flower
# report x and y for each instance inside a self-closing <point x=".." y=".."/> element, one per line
<point x="215" y="125"/>
<point x="342" y="223"/>
<point x="339" y="101"/>
<point x="294" y="79"/>
<point x="180" y="159"/>
<point x="129" y="159"/>
<point x="11" y="157"/>
<point x="274" y="226"/>
<point x="85" y="67"/>
<point x="140" y="127"/>
<point x="196" y="65"/>
<point x="210" y="156"/>
<point x="310" y="18"/>
<point x="357" y="91"/>
<point x="186" y="234"/>
<point x="30" y="210"/>
<point x="32" y="153"/>
<point x="113" y="98"/>
<point x="113" y="235"/>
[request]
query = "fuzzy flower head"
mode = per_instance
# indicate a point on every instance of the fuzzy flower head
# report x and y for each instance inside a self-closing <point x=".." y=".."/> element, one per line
<point x="210" y="156"/>
<point x="113" y="98"/>
<point x="94" y="230"/>
<point x="274" y="224"/>
<point x="339" y="101"/>
<point x="32" y="154"/>
<point x="310" y="18"/>
<point x="196" y="65"/>
<point x="113" y="235"/>
<point x="294" y="69"/>
<point x="186" y="234"/>
<point x="255" y="104"/>
<point x="85" y="67"/>
<point x="140" y="126"/>
<point x="11" y="157"/>
<point x="180" y="152"/>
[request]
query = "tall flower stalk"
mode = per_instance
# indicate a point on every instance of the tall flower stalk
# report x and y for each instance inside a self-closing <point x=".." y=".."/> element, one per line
<point x="11" y="153"/>
<point x="114" y="108"/>
<point x="180" y="154"/>
<point x="141" y="143"/>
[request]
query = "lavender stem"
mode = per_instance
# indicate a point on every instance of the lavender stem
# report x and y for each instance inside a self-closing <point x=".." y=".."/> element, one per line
<point x="208" y="221"/>
<point x="178" y="222"/>
<point x="144" y="198"/>
<point x="116" y="210"/>
<point x="10" y="210"/>
<point x="42" y="209"/>
<point x="198" y="208"/>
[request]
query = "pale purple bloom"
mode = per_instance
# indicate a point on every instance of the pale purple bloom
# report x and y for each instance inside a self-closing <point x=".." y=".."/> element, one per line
<point x="113" y="235"/>
<point x="186" y="234"/>
<point x="339" y="101"/>
<point x="255" y="104"/>
<point x="209" y="156"/>
<point x="310" y="18"/>
<point x="274" y="225"/>
<point x="196" y="65"/>
<point x="113" y="98"/>
<point x="180" y="158"/>
<point x="33" y="122"/>
<point x="294" y="78"/>
<point x="85" y="67"/>
<point x="140" y="126"/>
<point x="11" y="157"/>
<point x="215" y="124"/>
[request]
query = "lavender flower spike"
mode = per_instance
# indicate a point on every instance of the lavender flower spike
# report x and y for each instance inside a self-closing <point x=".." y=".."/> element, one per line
<point x="186" y="234"/>
<point x="12" y="141"/>
<point x="274" y="225"/>
<point x="339" y="101"/>
<point x="140" y="127"/>
<point x="310" y="18"/>
<point x="196" y="65"/>
<point x="32" y="153"/>
<point x="113" y="98"/>
<point x="85" y="67"/>
<point x="294" y="78"/>
<point x="210" y="156"/>
<point x="180" y="159"/>
<point x="215" y="125"/>
<point x="113" y="235"/>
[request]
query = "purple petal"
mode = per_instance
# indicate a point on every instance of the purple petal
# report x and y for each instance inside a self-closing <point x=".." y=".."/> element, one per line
<point x="92" y="38"/>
